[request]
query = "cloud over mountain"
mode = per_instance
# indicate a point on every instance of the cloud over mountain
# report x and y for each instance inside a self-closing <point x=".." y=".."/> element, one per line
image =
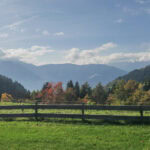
<point x="104" y="54"/>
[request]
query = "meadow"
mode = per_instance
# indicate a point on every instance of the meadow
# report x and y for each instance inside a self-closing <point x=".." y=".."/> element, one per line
<point x="72" y="134"/>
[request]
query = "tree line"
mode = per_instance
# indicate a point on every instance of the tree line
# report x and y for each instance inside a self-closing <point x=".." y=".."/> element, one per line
<point x="73" y="93"/>
<point x="128" y="92"/>
<point x="119" y="92"/>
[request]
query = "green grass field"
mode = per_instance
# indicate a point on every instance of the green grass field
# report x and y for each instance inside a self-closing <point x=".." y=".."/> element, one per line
<point x="73" y="134"/>
<point x="27" y="135"/>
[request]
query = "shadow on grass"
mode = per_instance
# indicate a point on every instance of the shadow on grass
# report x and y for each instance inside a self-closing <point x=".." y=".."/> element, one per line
<point x="78" y="121"/>
<point x="96" y="122"/>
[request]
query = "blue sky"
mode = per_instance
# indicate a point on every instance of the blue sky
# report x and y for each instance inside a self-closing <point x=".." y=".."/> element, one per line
<point x="75" y="31"/>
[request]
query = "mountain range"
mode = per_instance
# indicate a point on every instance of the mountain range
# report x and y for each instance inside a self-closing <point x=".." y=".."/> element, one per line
<point x="33" y="77"/>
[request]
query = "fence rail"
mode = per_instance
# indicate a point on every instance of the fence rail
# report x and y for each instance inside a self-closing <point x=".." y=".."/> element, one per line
<point x="81" y="107"/>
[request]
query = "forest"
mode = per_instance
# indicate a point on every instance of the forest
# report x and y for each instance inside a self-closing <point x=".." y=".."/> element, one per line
<point x="119" y="92"/>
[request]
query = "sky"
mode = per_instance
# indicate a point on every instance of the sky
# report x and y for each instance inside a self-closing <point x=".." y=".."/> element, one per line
<point x="75" y="31"/>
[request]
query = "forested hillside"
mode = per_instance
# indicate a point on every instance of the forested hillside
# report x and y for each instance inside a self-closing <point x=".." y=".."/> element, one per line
<point x="130" y="89"/>
<point x="14" y="88"/>
<point x="140" y="75"/>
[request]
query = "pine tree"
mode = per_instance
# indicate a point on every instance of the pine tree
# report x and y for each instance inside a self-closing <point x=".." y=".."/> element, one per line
<point x="85" y="90"/>
<point x="99" y="94"/>
<point x="77" y="89"/>
<point x="70" y="84"/>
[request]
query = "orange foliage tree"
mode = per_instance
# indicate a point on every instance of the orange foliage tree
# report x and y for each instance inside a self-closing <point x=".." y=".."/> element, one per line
<point x="52" y="93"/>
<point x="5" y="97"/>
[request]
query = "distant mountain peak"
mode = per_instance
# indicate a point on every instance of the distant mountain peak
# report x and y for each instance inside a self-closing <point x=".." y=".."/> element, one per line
<point x="33" y="77"/>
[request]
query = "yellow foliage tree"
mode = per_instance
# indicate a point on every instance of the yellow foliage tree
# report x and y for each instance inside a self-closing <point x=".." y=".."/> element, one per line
<point x="5" y="97"/>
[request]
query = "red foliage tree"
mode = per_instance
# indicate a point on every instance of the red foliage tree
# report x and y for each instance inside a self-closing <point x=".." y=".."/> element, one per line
<point x="52" y="93"/>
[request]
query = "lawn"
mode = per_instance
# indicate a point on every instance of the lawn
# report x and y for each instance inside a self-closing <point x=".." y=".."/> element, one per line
<point x="73" y="134"/>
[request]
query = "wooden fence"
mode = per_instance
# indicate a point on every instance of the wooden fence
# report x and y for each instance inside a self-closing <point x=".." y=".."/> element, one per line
<point x="81" y="107"/>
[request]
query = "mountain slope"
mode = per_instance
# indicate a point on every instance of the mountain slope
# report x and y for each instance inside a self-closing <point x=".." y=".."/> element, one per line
<point x="33" y="77"/>
<point x="91" y="73"/>
<point x="21" y="72"/>
<point x="13" y="88"/>
<point x="140" y="75"/>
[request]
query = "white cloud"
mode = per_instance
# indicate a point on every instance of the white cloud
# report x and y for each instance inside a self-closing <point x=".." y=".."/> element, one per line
<point x="35" y="54"/>
<point x="14" y="25"/>
<point x="78" y="56"/>
<point x="59" y="34"/>
<point x="126" y="57"/>
<point x="130" y="57"/>
<point x="3" y="35"/>
<point x="115" y="57"/>
<point x="94" y="56"/>
<point x="45" y="32"/>
<point x="1" y="54"/>
<point x="30" y="55"/>
<point x="39" y="55"/>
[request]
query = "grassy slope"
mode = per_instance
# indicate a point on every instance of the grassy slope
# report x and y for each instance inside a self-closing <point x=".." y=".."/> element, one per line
<point x="23" y="135"/>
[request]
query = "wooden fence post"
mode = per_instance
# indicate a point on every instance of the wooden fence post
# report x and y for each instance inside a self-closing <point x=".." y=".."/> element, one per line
<point x="141" y="113"/>
<point x="36" y="111"/>
<point x="22" y="109"/>
<point x="83" y="119"/>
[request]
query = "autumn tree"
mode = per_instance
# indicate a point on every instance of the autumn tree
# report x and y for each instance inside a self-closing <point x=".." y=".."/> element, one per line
<point x="145" y="98"/>
<point x="130" y="87"/>
<point x="129" y="93"/>
<point x="52" y="93"/>
<point x="5" y="97"/>
<point x="119" y="91"/>
<point x="87" y="100"/>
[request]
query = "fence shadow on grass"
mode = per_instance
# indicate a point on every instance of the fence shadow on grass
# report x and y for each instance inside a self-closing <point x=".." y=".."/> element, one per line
<point x="77" y="121"/>
<point x="94" y="122"/>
